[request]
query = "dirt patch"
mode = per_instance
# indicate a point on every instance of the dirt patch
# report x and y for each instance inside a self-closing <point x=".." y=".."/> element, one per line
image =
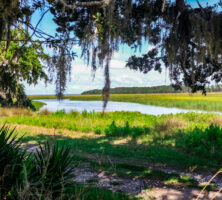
<point x="201" y="178"/>
<point x="112" y="182"/>
<point x="148" y="189"/>
<point x="184" y="194"/>
<point x="38" y="130"/>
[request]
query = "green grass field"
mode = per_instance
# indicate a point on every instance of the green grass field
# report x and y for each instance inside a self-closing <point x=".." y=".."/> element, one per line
<point x="160" y="135"/>
<point x="211" y="102"/>
<point x="185" y="141"/>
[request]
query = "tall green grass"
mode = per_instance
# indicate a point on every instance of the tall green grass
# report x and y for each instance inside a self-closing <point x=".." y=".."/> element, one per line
<point x="90" y="121"/>
<point x="37" y="105"/>
<point x="157" y="135"/>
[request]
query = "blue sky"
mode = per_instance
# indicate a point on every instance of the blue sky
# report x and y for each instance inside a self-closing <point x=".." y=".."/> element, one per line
<point x="81" y="76"/>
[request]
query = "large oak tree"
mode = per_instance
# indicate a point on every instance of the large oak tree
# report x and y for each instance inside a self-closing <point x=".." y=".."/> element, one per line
<point x="187" y="40"/>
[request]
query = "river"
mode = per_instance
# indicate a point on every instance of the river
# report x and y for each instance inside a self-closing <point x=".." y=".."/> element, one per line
<point x="54" y="105"/>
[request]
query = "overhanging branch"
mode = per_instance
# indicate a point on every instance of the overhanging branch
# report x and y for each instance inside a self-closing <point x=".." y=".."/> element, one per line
<point x="83" y="4"/>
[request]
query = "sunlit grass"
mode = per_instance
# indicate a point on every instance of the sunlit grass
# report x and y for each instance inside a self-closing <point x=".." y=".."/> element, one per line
<point x="81" y="132"/>
<point x="90" y="122"/>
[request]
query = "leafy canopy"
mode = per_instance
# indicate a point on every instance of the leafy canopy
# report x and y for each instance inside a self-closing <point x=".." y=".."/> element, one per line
<point x="20" y="63"/>
<point x="186" y="40"/>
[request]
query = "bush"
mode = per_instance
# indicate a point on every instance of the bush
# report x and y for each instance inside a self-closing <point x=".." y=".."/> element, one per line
<point x="51" y="171"/>
<point x="86" y="114"/>
<point x="47" y="174"/>
<point x="206" y="143"/>
<point x="45" y="111"/>
<point x="97" y="130"/>
<point x="74" y="113"/>
<point x="12" y="159"/>
<point x="60" y="112"/>
<point x="113" y="130"/>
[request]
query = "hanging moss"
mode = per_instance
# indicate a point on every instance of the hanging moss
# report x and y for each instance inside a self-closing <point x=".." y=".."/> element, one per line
<point x="188" y="41"/>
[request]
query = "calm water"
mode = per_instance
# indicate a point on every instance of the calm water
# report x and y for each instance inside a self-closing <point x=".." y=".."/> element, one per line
<point x="54" y="105"/>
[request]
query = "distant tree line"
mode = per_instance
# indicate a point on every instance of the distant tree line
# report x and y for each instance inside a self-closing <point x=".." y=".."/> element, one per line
<point x="154" y="89"/>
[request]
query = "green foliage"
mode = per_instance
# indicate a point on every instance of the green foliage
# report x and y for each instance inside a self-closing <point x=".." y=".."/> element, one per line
<point x="152" y="147"/>
<point x="12" y="159"/>
<point x="86" y="114"/>
<point x="139" y="90"/>
<point x="20" y="62"/>
<point x="113" y="130"/>
<point x="47" y="173"/>
<point x="185" y="47"/>
<point x="37" y="105"/>
<point x="52" y="170"/>
<point x="60" y="113"/>
<point x="97" y="130"/>
<point x="203" y="142"/>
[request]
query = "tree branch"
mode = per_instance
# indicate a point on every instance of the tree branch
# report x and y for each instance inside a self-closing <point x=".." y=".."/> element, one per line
<point x="83" y="4"/>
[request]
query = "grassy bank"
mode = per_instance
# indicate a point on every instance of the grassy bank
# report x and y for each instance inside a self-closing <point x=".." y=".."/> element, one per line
<point x="37" y="104"/>
<point x="211" y="102"/>
<point x="127" y="144"/>
<point x="133" y="135"/>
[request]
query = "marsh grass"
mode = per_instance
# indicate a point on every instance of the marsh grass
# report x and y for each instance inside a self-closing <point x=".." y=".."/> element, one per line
<point x="217" y="121"/>
<point x="95" y="122"/>
<point x="170" y="125"/>
<point x="45" y="111"/>
<point x="37" y="105"/>
<point x="86" y="133"/>
<point x="8" y="112"/>
<point x="211" y="102"/>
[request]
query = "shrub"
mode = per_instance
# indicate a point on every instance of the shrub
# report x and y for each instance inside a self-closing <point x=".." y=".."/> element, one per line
<point x="217" y="121"/>
<point x="206" y="143"/>
<point x="85" y="113"/>
<point x="113" y="130"/>
<point x="51" y="171"/>
<point x="47" y="174"/>
<point x="74" y="113"/>
<point x="60" y="112"/>
<point x="170" y="124"/>
<point x="97" y="130"/>
<point x="45" y="111"/>
<point x="12" y="159"/>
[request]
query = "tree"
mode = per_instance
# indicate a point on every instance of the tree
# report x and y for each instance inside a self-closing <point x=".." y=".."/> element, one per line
<point x="184" y="37"/>
<point x="26" y="66"/>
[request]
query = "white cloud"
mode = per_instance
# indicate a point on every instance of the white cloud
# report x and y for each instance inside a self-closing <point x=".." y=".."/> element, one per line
<point x="81" y="77"/>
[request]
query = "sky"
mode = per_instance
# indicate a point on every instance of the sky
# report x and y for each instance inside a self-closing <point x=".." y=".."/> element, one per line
<point x="81" y="74"/>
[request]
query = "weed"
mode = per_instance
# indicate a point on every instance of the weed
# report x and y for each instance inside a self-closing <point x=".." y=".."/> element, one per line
<point x="60" y="113"/>
<point x="113" y="130"/>
<point x="97" y="130"/>
<point x="45" y="111"/>
<point x="169" y="125"/>
<point x="206" y="143"/>
<point x="7" y="112"/>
